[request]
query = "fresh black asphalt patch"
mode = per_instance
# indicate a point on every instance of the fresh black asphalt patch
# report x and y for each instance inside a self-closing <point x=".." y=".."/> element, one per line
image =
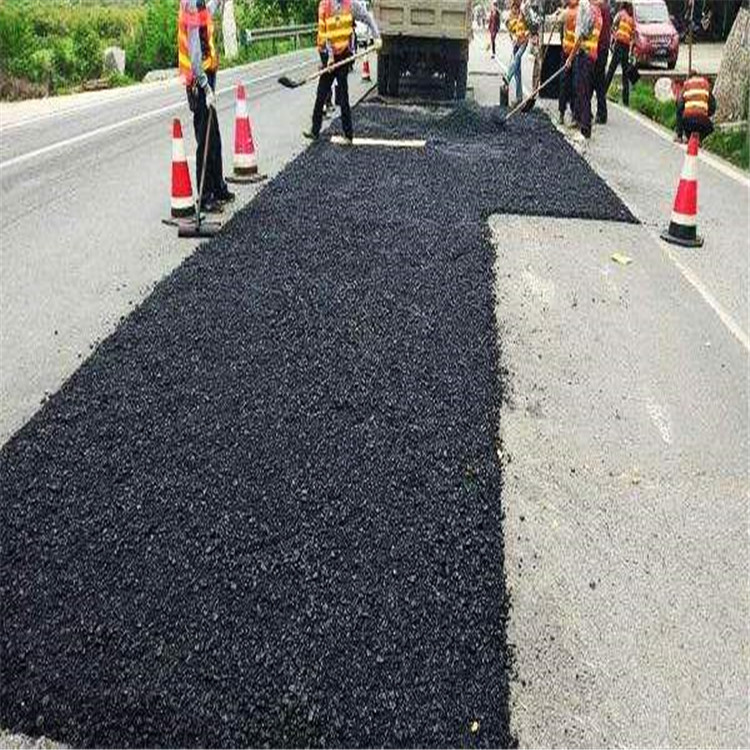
<point x="267" y="510"/>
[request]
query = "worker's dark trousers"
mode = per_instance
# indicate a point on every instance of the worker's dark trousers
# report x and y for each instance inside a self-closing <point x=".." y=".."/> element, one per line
<point x="215" y="184"/>
<point x="493" y="37"/>
<point x="600" y="86"/>
<point x="324" y="62"/>
<point x="620" y="56"/>
<point x="567" y="94"/>
<point x="584" y="82"/>
<point x="685" y="128"/>
<point x="341" y="76"/>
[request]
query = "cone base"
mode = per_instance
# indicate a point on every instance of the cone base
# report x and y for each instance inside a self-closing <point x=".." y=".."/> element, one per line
<point x="180" y="213"/>
<point x="696" y="241"/>
<point x="245" y="179"/>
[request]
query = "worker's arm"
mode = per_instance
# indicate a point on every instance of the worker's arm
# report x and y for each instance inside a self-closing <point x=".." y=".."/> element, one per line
<point x="360" y="13"/>
<point x="194" y="43"/>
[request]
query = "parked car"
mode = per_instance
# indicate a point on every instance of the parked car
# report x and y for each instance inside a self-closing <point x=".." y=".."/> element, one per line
<point x="656" y="39"/>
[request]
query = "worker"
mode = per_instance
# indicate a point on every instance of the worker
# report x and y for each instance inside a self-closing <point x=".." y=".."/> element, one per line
<point x="198" y="64"/>
<point x="323" y="53"/>
<point x="567" y="89"/>
<point x="696" y="106"/>
<point x="519" y="34"/>
<point x="583" y="55"/>
<point x="336" y="23"/>
<point x="623" y="30"/>
<point x="600" y="68"/>
<point x="494" y="25"/>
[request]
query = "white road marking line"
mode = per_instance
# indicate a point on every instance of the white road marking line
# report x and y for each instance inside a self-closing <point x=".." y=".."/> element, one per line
<point x="664" y="134"/>
<point x="659" y="418"/>
<point x="130" y="92"/>
<point x="694" y="280"/>
<point x="124" y="123"/>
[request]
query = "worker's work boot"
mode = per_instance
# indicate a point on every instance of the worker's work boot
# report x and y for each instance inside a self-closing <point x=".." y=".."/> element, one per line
<point x="225" y="195"/>
<point x="210" y="205"/>
<point x="310" y="135"/>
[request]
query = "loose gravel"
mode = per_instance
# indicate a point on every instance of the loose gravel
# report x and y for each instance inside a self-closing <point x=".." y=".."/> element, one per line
<point x="267" y="509"/>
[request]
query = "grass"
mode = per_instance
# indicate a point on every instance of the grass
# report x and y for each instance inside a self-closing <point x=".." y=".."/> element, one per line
<point x="732" y="145"/>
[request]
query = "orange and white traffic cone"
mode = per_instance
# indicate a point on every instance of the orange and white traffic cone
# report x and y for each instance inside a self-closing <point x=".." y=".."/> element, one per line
<point x="683" y="225"/>
<point x="245" y="156"/>
<point x="366" y="70"/>
<point x="182" y="202"/>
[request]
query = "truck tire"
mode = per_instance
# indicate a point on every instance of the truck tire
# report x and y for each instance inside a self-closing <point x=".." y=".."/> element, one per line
<point x="392" y="75"/>
<point x="383" y="75"/>
<point x="461" y="79"/>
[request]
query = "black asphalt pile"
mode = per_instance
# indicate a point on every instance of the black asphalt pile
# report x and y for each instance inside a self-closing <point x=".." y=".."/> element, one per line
<point x="267" y="509"/>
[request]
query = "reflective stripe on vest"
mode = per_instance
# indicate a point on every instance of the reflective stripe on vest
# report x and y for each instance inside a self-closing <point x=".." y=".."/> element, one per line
<point x="590" y="44"/>
<point x="569" y="31"/>
<point x="321" y="41"/>
<point x="695" y="95"/>
<point x="625" y="29"/>
<point x="201" y="20"/>
<point x="518" y="29"/>
<point x="338" y="29"/>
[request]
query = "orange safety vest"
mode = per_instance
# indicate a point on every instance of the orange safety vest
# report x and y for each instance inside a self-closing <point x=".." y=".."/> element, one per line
<point x="200" y="19"/>
<point x="517" y="28"/>
<point x="321" y="40"/>
<point x="625" y="28"/>
<point x="695" y="95"/>
<point x="569" y="30"/>
<point x="590" y="44"/>
<point x="337" y="30"/>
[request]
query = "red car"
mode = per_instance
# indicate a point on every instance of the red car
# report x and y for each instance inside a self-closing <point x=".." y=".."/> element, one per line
<point x="656" y="39"/>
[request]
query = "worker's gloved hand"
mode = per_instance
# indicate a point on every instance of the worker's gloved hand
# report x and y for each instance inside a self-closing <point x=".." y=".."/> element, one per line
<point x="210" y="97"/>
<point x="378" y="44"/>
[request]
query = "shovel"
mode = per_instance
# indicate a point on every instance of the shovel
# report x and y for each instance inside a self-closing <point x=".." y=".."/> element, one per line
<point x="292" y="84"/>
<point x="529" y="101"/>
<point x="198" y="228"/>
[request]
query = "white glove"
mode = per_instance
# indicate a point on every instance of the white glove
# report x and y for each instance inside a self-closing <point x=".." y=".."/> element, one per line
<point x="210" y="97"/>
<point x="378" y="44"/>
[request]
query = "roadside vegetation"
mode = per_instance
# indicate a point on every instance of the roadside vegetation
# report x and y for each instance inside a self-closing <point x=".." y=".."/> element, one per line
<point x="732" y="145"/>
<point x="56" y="46"/>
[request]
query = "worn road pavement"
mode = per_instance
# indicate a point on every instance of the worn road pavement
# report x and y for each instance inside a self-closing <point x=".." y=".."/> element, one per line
<point x="84" y="187"/>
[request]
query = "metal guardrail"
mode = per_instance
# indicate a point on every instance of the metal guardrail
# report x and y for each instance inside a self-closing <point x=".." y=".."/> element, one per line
<point x="272" y="33"/>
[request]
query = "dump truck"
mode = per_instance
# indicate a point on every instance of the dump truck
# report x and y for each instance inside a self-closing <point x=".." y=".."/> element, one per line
<point x="424" y="38"/>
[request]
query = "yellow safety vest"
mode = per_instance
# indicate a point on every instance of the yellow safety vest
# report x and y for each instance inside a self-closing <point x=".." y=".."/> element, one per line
<point x="625" y="28"/>
<point x="517" y="28"/>
<point x="590" y="44"/>
<point x="569" y="31"/>
<point x="695" y="95"/>
<point x="337" y="29"/>
<point x="321" y="41"/>
<point x="200" y="19"/>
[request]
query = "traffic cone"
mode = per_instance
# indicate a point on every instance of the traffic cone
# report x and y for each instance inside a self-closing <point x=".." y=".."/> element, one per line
<point x="683" y="225"/>
<point x="245" y="157"/>
<point x="182" y="202"/>
<point x="366" y="70"/>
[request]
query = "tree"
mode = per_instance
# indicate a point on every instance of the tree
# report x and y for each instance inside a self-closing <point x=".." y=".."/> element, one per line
<point x="732" y="87"/>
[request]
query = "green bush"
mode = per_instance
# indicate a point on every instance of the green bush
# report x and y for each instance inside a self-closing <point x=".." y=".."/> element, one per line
<point x="87" y="52"/>
<point x="17" y="40"/>
<point x="733" y="145"/>
<point x="154" y="44"/>
<point x="642" y="99"/>
<point x="41" y="67"/>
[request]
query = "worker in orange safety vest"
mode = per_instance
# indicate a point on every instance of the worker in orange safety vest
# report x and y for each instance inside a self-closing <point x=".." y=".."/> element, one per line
<point x="198" y="61"/>
<point x="584" y="55"/>
<point x="623" y="33"/>
<point x="336" y="30"/>
<point x="695" y="107"/>
<point x="567" y="88"/>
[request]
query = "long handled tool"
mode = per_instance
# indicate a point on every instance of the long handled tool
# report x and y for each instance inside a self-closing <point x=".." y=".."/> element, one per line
<point x="531" y="98"/>
<point x="291" y="84"/>
<point x="199" y="229"/>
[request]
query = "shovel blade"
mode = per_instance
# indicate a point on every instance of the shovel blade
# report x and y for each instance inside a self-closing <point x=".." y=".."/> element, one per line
<point x="288" y="82"/>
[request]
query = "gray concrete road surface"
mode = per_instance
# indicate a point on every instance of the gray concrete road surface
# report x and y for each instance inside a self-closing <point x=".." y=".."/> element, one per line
<point x="625" y="443"/>
<point x="83" y="189"/>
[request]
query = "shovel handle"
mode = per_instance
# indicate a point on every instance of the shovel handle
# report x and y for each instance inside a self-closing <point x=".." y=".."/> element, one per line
<point x="339" y="64"/>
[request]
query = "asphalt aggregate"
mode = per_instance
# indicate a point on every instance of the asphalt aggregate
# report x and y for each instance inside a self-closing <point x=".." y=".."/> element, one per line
<point x="267" y="509"/>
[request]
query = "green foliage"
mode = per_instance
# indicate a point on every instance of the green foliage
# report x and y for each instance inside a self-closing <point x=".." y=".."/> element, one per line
<point x="642" y="99"/>
<point x="57" y="45"/>
<point x="154" y="43"/>
<point x="732" y="145"/>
